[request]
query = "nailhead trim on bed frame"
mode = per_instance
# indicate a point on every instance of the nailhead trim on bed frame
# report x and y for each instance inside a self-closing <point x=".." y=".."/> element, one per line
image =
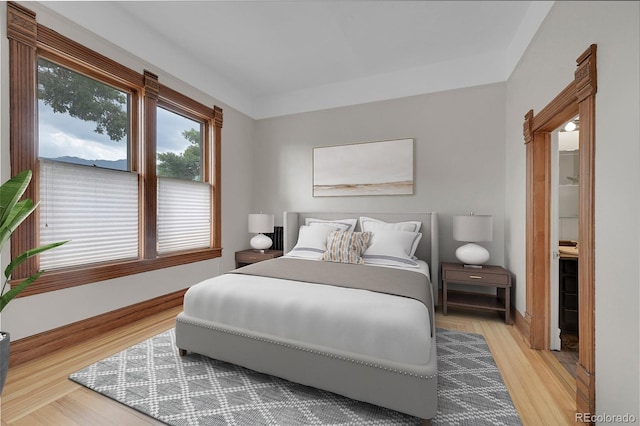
<point x="275" y="342"/>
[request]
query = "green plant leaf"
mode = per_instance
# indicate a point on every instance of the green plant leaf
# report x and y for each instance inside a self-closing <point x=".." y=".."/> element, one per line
<point x="11" y="191"/>
<point x="27" y="254"/>
<point x="8" y="296"/>
<point x="16" y="216"/>
<point x="13" y="212"/>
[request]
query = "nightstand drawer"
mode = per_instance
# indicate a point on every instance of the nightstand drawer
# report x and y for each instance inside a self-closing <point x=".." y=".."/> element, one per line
<point x="247" y="257"/>
<point x="476" y="277"/>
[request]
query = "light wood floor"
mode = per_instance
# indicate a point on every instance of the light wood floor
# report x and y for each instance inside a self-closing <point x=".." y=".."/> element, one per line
<point x="40" y="393"/>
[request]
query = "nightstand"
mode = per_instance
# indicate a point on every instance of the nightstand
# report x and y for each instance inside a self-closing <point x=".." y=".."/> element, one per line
<point x="247" y="257"/>
<point x="487" y="276"/>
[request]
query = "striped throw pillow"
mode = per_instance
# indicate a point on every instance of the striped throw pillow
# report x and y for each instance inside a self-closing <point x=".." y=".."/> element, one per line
<point x="346" y="247"/>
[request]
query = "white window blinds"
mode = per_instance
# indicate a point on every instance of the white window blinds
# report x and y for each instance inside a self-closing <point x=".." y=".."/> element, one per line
<point x="184" y="215"/>
<point x="96" y="209"/>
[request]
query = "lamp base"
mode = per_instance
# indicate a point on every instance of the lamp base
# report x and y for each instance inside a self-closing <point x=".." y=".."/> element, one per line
<point x="472" y="255"/>
<point x="260" y="242"/>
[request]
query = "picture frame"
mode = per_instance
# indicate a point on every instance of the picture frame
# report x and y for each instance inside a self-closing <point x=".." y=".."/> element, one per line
<point x="366" y="168"/>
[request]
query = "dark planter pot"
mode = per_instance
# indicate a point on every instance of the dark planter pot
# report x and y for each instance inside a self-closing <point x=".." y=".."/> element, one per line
<point x="4" y="359"/>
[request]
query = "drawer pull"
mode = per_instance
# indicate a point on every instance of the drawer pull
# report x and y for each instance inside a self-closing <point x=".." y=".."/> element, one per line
<point x="475" y="277"/>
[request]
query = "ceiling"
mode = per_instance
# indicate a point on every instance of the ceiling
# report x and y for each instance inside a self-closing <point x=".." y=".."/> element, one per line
<point x="272" y="58"/>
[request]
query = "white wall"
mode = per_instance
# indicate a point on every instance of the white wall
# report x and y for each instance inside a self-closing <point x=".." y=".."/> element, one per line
<point x="546" y="68"/>
<point x="459" y="157"/>
<point x="33" y="314"/>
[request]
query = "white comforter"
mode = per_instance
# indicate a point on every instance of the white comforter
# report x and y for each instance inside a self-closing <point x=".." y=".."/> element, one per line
<point x="359" y="321"/>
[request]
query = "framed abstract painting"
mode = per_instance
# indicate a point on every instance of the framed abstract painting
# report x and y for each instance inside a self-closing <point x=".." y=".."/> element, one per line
<point x="369" y="168"/>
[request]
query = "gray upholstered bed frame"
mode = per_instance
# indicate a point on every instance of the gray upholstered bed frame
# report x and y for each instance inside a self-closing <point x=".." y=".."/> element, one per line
<point x="410" y="389"/>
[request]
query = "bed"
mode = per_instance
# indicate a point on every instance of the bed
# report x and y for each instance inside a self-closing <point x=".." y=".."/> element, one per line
<point x="332" y="325"/>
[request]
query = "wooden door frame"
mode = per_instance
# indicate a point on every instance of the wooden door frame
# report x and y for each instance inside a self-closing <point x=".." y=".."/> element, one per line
<point x="578" y="98"/>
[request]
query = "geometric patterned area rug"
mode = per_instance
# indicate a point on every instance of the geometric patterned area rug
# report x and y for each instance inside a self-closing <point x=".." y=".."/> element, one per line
<point x="154" y="379"/>
<point x="470" y="387"/>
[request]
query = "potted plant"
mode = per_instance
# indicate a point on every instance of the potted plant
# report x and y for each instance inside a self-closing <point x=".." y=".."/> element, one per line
<point x="13" y="212"/>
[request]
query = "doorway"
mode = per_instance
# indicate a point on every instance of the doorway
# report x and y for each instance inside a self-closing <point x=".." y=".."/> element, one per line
<point x="577" y="99"/>
<point x="563" y="279"/>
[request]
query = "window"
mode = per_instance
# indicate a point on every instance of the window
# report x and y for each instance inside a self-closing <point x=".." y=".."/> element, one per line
<point x="85" y="197"/>
<point x="179" y="146"/>
<point x="124" y="167"/>
<point x="184" y="201"/>
<point x="80" y="119"/>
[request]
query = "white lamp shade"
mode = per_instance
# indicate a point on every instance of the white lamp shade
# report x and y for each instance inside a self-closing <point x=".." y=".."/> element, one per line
<point x="473" y="228"/>
<point x="260" y="223"/>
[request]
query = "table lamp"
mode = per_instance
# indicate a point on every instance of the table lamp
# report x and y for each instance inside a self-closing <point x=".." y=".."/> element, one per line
<point x="260" y="224"/>
<point x="471" y="229"/>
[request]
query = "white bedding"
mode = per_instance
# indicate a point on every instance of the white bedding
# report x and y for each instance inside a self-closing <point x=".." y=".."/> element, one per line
<point x="359" y="321"/>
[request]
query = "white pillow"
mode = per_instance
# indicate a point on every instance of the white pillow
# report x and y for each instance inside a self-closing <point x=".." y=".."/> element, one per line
<point x="370" y="224"/>
<point x="312" y="241"/>
<point x="393" y="248"/>
<point x="340" y="224"/>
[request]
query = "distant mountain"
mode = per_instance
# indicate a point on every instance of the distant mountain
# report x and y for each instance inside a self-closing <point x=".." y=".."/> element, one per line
<point x="107" y="164"/>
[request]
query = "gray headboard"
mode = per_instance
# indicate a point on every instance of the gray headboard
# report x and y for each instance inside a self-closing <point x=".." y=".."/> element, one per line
<point x="427" y="249"/>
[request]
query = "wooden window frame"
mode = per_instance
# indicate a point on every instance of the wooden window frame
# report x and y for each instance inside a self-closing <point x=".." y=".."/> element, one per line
<point x="27" y="41"/>
<point x="179" y="104"/>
